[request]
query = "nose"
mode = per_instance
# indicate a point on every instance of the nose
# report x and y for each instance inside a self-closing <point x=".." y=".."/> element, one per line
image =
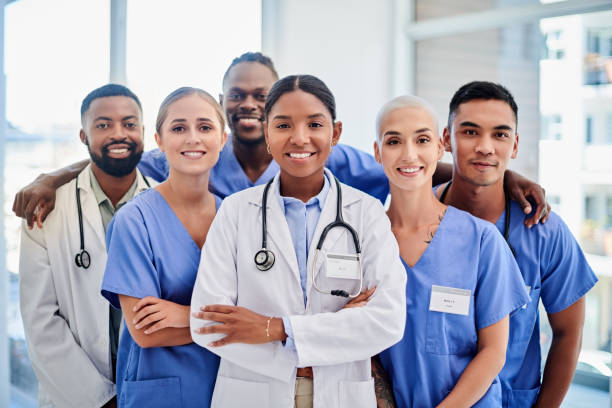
<point x="409" y="152"/>
<point x="299" y="136"/>
<point x="485" y="145"/>
<point x="248" y="104"/>
<point x="191" y="136"/>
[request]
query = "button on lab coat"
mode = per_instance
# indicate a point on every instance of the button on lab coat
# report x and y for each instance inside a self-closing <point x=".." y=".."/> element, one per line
<point x="64" y="316"/>
<point x="337" y="343"/>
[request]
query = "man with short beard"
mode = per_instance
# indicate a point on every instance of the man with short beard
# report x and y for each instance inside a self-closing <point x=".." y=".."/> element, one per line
<point x="71" y="332"/>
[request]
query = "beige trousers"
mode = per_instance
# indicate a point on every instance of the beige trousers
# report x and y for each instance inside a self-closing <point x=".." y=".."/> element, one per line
<point x="303" y="392"/>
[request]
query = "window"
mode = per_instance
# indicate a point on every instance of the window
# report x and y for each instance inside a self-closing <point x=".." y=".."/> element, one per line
<point x="588" y="130"/>
<point x="555" y="48"/>
<point x="551" y="127"/>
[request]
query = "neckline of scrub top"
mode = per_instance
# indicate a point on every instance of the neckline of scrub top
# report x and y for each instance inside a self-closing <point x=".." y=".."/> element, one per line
<point x="267" y="174"/>
<point x="434" y="240"/>
<point x="178" y="220"/>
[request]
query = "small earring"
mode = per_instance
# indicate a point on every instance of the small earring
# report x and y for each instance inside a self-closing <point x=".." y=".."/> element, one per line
<point x="268" y="149"/>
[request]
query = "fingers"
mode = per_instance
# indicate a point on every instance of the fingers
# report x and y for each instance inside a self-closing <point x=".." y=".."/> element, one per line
<point x="29" y="212"/>
<point x="222" y="342"/>
<point x="356" y="304"/>
<point x="220" y="308"/>
<point x="150" y="319"/>
<point x="212" y="329"/>
<point x="144" y="312"/>
<point x="147" y="300"/>
<point x="162" y="324"/>
<point x="45" y="209"/>
<point x="212" y="316"/>
<point x="18" y="204"/>
<point x="521" y="197"/>
<point x="544" y="214"/>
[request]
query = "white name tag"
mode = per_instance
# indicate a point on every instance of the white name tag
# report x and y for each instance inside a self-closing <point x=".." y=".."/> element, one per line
<point x="343" y="266"/>
<point x="450" y="300"/>
<point x="529" y="293"/>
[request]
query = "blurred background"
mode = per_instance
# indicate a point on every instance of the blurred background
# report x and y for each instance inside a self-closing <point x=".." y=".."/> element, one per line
<point x="554" y="56"/>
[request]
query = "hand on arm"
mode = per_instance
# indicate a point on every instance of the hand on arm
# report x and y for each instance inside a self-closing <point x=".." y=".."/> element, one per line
<point x="563" y="355"/>
<point x="36" y="200"/>
<point x="154" y="322"/>
<point x="240" y="325"/>
<point x="480" y="373"/>
<point x="519" y="189"/>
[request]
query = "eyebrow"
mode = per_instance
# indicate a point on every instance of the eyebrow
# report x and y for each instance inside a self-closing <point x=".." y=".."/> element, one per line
<point x="181" y="120"/>
<point x="498" y="127"/>
<point x="110" y="120"/>
<point x="423" y="130"/>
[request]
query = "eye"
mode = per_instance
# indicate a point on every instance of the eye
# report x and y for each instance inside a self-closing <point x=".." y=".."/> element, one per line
<point x="392" y="141"/>
<point x="423" y="139"/>
<point x="261" y="97"/>
<point x="205" y="128"/>
<point x="282" y="126"/>
<point x="178" y="128"/>
<point x="502" y="135"/>
<point x="316" y="125"/>
<point x="470" y="132"/>
<point x="103" y="125"/>
<point x="130" y="125"/>
<point x="234" y="97"/>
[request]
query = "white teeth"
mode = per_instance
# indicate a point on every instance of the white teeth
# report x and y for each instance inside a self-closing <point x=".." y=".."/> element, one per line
<point x="409" y="169"/>
<point x="118" y="151"/>
<point x="249" y="120"/>
<point x="193" y="154"/>
<point x="300" y="155"/>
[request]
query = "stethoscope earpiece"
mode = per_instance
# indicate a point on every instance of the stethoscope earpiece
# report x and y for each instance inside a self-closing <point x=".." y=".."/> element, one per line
<point x="264" y="259"/>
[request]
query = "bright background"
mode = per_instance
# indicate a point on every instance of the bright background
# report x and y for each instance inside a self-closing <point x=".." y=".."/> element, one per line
<point x="556" y="58"/>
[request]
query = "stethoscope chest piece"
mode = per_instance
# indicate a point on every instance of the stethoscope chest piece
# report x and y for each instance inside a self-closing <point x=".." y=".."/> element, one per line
<point x="82" y="259"/>
<point x="264" y="259"/>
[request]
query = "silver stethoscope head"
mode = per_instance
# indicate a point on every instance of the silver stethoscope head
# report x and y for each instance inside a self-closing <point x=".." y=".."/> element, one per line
<point x="264" y="259"/>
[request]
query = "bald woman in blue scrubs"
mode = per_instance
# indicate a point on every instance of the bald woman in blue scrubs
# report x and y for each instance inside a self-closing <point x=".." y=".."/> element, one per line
<point x="462" y="279"/>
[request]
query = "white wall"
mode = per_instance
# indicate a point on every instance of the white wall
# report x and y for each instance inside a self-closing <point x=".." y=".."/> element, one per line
<point x="346" y="43"/>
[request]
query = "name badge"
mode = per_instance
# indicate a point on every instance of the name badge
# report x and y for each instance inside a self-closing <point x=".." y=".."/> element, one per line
<point x="450" y="300"/>
<point x="529" y="293"/>
<point x="343" y="266"/>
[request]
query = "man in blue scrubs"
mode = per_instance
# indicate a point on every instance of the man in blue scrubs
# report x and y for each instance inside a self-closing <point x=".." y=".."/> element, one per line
<point x="482" y="136"/>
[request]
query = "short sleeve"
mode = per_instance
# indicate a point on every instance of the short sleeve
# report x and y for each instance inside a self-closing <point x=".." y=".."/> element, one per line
<point x="500" y="288"/>
<point x="566" y="274"/>
<point x="153" y="164"/>
<point x="359" y="170"/>
<point x="130" y="269"/>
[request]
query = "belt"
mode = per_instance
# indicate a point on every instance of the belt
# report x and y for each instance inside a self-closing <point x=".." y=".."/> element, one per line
<point x="304" y="372"/>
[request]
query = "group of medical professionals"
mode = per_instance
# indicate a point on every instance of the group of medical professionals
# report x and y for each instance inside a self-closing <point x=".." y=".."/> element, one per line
<point x="259" y="268"/>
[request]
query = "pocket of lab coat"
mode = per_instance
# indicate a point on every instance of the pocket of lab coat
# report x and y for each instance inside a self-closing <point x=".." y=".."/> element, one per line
<point x="522" y="321"/>
<point x="357" y="394"/>
<point x="231" y="392"/>
<point x="449" y="333"/>
<point x="157" y="393"/>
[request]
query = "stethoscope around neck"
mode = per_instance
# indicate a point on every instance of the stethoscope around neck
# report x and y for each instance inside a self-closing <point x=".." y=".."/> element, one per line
<point x="264" y="258"/>
<point x="506" y="215"/>
<point x="82" y="259"/>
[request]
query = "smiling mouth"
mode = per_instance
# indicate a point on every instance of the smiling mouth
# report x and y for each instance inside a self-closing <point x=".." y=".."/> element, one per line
<point x="409" y="170"/>
<point x="300" y="155"/>
<point x="193" y="155"/>
<point x="121" y="150"/>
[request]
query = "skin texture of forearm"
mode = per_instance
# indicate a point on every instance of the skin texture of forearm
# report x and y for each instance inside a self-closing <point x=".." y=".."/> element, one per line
<point x="480" y="373"/>
<point x="62" y="176"/>
<point x="563" y="354"/>
<point x="382" y="385"/>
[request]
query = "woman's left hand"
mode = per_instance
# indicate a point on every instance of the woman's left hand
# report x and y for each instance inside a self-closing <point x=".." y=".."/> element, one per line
<point x="153" y="314"/>
<point x="240" y="325"/>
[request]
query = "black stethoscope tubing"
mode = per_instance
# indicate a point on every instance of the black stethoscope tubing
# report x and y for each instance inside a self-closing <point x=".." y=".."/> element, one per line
<point x="264" y="258"/>
<point x="82" y="259"/>
<point x="506" y="215"/>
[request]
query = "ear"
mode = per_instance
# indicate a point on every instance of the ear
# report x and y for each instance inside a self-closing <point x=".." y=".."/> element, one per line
<point x="158" y="140"/>
<point x="446" y="139"/>
<point x="223" y="139"/>
<point x="377" y="153"/>
<point x="267" y="137"/>
<point x="337" y="133"/>
<point x="515" y="147"/>
<point x="440" y="148"/>
<point x="83" y="136"/>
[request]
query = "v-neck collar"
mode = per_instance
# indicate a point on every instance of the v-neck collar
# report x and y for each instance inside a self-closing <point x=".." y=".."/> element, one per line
<point x="434" y="241"/>
<point x="177" y="220"/>
<point x="268" y="173"/>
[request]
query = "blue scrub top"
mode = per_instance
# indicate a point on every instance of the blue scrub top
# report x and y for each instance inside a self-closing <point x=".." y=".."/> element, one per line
<point x="150" y="253"/>
<point x="465" y="253"/>
<point x="555" y="269"/>
<point x="351" y="166"/>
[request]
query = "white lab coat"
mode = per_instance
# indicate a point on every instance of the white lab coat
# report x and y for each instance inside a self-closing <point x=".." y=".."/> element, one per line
<point x="66" y="319"/>
<point x="337" y="343"/>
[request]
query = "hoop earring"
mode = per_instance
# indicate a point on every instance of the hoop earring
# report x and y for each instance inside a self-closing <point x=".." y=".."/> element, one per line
<point x="268" y="149"/>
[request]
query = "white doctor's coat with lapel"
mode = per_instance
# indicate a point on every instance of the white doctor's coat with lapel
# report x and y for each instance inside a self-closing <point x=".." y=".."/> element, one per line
<point x="66" y="319"/>
<point x="337" y="343"/>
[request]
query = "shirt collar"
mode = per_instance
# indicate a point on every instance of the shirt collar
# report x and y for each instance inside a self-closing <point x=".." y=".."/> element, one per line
<point x="319" y="199"/>
<point x="101" y="197"/>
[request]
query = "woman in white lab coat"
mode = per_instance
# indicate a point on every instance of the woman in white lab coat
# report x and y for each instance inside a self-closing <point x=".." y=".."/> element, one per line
<point x="283" y="339"/>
